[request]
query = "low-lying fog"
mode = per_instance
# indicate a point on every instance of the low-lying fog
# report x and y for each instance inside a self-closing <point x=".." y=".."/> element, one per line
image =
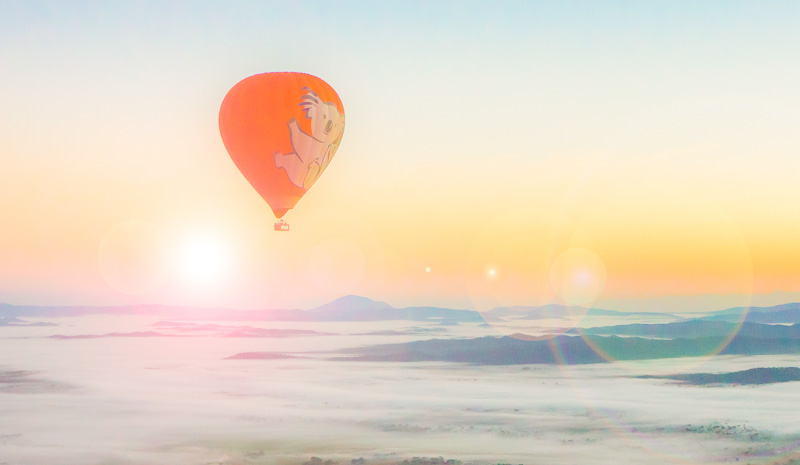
<point x="177" y="400"/>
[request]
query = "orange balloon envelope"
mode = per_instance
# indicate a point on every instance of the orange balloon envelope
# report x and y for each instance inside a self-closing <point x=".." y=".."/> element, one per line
<point x="281" y="130"/>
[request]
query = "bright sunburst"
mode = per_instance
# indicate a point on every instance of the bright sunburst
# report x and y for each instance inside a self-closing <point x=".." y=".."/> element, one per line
<point x="203" y="259"/>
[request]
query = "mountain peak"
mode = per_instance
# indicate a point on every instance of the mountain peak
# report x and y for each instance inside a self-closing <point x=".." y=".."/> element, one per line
<point x="354" y="302"/>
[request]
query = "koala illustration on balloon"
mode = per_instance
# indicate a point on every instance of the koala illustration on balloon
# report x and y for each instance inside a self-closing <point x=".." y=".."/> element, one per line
<point x="312" y="152"/>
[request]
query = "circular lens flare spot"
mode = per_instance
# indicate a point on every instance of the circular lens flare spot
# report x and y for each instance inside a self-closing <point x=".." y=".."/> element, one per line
<point x="578" y="276"/>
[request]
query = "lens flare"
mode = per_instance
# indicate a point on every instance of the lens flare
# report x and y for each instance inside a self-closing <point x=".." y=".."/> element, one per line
<point x="578" y="276"/>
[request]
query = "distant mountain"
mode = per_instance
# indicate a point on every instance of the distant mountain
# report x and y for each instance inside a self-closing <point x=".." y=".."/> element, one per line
<point x="406" y="332"/>
<point x="562" y="311"/>
<point x="788" y="316"/>
<point x="183" y="329"/>
<point x="216" y="330"/>
<point x="565" y="349"/>
<point x="14" y="321"/>
<point x="543" y="311"/>
<point x="348" y="308"/>
<point x="696" y="328"/>
<point x="785" y="313"/>
<point x="356" y="308"/>
<point x="352" y="303"/>
<point x="752" y="376"/>
<point x="773" y="309"/>
<point x="7" y="310"/>
<point x="481" y="351"/>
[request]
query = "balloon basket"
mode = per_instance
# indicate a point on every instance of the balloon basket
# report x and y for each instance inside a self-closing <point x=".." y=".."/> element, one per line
<point x="281" y="225"/>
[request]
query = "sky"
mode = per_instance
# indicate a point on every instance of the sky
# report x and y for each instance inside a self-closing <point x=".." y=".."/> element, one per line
<point x="626" y="155"/>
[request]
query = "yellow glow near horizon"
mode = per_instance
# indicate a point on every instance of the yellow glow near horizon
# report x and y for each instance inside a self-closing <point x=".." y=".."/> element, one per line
<point x="131" y="257"/>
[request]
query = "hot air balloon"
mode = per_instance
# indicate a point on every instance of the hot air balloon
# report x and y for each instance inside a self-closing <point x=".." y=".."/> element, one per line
<point x="281" y="130"/>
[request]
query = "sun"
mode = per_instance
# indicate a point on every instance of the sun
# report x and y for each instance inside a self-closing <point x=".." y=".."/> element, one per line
<point x="203" y="259"/>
